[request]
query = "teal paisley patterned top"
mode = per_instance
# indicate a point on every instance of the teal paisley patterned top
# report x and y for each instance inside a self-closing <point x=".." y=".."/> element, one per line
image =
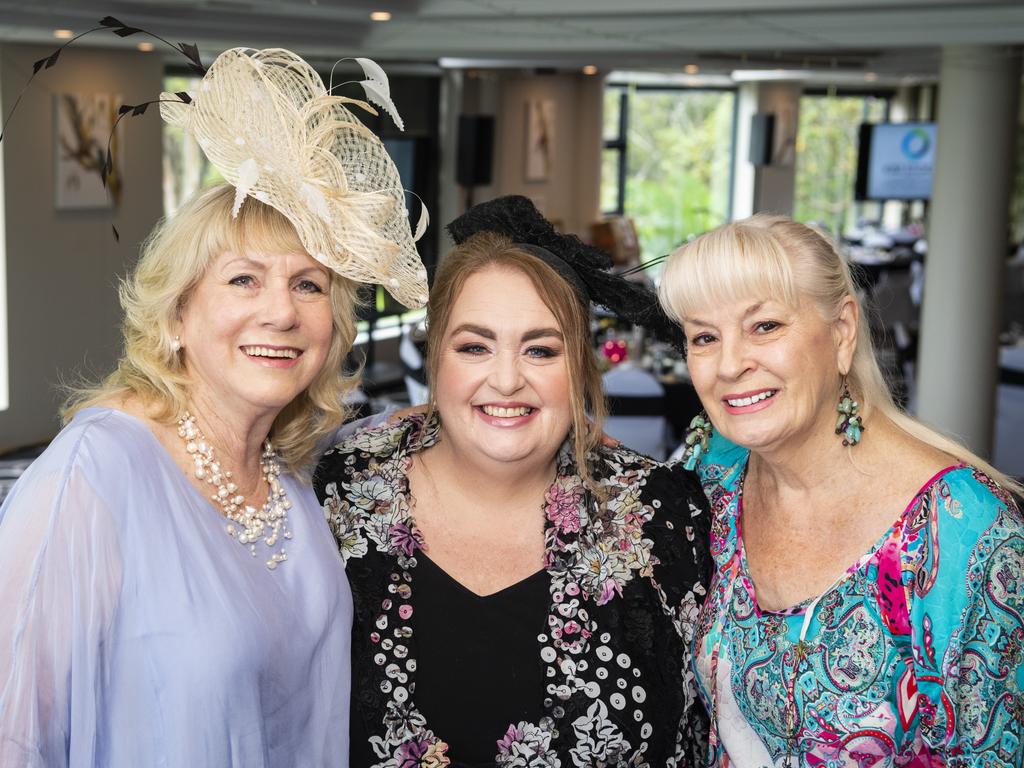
<point x="915" y="657"/>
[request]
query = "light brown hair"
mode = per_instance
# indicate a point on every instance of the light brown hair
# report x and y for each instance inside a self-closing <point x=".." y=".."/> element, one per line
<point x="488" y="250"/>
<point x="174" y="258"/>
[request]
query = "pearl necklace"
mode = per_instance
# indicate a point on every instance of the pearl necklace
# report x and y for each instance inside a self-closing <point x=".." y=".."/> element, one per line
<point x="273" y="515"/>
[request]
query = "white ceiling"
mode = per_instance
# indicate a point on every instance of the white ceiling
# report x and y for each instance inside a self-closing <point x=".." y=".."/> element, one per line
<point x="891" y="37"/>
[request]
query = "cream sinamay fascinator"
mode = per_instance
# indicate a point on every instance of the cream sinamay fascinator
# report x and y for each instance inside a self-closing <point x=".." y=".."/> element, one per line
<point x="266" y="121"/>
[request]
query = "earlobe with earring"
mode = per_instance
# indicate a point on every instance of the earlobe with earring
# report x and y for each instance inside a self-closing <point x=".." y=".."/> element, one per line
<point x="176" y="344"/>
<point x="850" y="424"/>
<point x="698" y="436"/>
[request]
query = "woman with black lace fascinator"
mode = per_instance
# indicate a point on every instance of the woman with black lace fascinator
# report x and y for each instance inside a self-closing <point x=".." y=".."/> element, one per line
<point x="524" y="595"/>
<point x="171" y="594"/>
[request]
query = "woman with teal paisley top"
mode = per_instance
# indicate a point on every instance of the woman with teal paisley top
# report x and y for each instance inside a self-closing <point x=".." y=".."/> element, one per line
<point x="867" y="606"/>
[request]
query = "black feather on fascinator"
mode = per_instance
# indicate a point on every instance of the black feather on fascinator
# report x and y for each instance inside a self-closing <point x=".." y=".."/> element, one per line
<point x="583" y="266"/>
<point x="267" y="122"/>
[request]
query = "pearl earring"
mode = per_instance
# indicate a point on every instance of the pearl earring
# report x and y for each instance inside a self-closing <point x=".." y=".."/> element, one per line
<point x="176" y="344"/>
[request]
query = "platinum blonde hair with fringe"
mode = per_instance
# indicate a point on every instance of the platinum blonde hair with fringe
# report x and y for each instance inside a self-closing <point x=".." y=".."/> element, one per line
<point x="173" y="259"/>
<point x="776" y="257"/>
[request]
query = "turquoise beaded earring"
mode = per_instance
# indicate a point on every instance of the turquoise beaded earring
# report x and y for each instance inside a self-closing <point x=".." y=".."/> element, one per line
<point x="850" y="424"/>
<point x="698" y="435"/>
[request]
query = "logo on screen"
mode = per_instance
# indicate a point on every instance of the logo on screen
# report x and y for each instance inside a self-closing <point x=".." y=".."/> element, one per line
<point x="916" y="143"/>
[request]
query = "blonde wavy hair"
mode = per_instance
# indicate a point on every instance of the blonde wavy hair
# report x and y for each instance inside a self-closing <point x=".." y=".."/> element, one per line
<point x="775" y="256"/>
<point x="490" y="250"/>
<point x="173" y="259"/>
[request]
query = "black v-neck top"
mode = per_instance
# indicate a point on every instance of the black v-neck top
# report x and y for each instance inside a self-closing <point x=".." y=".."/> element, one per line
<point x="479" y="665"/>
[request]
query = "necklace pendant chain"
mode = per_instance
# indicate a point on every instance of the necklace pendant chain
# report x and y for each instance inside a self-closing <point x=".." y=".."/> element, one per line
<point x="247" y="524"/>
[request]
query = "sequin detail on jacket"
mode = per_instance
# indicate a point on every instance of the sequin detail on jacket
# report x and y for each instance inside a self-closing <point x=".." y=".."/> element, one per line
<point x="641" y="564"/>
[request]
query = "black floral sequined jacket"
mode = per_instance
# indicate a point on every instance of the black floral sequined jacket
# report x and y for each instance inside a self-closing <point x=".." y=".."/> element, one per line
<point x="626" y="580"/>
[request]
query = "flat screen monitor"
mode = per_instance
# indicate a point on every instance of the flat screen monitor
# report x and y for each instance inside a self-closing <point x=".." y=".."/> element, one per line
<point x="895" y="161"/>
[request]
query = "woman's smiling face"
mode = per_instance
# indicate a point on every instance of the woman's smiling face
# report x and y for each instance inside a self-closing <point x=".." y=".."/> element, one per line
<point x="256" y="330"/>
<point x="502" y="386"/>
<point x="767" y="374"/>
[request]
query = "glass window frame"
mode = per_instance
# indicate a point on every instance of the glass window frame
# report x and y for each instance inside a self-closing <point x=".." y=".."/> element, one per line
<point x="885" y="94"/>
<point x="621" y="142"/>
<point x="619" y="145"/>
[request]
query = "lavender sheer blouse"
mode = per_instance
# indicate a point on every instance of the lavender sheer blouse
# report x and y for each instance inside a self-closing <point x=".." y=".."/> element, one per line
<point x="136" y="632"/>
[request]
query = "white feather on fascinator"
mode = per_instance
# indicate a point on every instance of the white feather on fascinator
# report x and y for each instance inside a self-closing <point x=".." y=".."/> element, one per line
<point x="266" y="121"/>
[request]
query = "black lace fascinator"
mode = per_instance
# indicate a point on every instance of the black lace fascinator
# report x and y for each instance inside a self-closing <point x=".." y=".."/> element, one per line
<point x="585" y="267"/>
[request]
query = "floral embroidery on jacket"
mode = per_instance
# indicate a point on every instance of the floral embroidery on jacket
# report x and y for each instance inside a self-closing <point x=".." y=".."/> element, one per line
<point x="525" y="744"/>
<point x="614" y="696"/>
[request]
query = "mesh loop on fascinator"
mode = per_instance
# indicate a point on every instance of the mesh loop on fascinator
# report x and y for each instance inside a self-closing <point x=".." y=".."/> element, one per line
<point x="266" y="121"/>
<point x="517" y="218"/>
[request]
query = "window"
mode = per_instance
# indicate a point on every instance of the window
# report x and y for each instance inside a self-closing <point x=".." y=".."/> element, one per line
<point x="669" y="166"/>
<point x="186" y="168"/>
<point x="613" y="158"/>
<point x="826" y="164"/>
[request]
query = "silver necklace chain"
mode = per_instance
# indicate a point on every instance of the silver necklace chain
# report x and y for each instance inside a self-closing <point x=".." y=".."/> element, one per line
<point x="246" y="523"/>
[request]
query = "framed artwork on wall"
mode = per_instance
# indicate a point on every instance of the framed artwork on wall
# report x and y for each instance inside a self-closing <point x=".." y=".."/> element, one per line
<point x="81" y="133"/>
<point x="540" y="139"/>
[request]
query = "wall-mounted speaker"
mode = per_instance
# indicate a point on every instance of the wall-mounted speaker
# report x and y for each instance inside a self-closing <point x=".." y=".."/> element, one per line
<point x="475" y="150"/>
<point x="762" y="138"/>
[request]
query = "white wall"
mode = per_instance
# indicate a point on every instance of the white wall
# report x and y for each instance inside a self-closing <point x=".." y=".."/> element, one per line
<point x="571" y="194"/>
<point x="62" y="266"/>
<point x="5" y="359"/>
<point x="744" y="171"/>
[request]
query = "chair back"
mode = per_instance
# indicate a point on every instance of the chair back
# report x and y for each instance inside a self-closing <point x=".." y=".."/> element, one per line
<point x="637" y="410"/>
<point x="410" y="352"/>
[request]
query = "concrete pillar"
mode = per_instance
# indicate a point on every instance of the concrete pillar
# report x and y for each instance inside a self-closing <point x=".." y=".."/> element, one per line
<point x="768" y="188"/>
<point x="775" y="184"/>
<point x="967" y="236"/>
<point x="589" y="142"/>
<point x="482" y="95"/>
<point x="449" y="194"/>
<point x="743" y="170"/>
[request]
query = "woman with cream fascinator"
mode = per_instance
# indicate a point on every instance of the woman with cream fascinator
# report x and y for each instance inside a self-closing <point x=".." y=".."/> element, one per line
<point x="171" y="593"/>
